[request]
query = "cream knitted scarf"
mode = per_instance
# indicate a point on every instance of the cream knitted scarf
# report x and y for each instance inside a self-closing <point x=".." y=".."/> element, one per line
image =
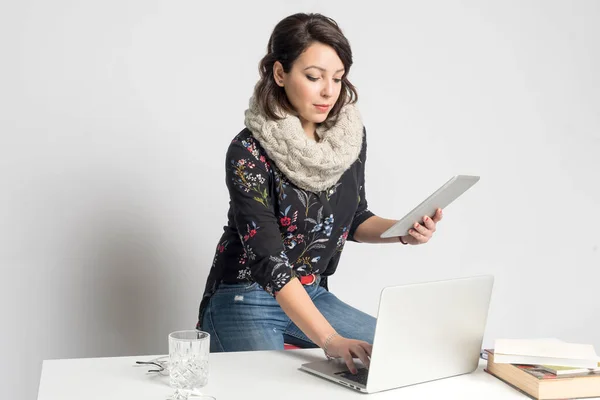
<point x="310" y="165"/>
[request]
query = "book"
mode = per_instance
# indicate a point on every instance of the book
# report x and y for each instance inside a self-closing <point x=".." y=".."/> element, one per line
<point x="560" y="370"/>
<point x="544" y="385"/>
<point x="545" y="352"/>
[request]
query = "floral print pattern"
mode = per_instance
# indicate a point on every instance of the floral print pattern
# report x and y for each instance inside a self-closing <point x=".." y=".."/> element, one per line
<point x="248" y="181"/>
<point x="276" y="230"/>
<point x="342" y="239"/>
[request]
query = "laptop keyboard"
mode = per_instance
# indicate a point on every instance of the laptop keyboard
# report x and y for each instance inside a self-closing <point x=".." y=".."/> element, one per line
<point x="360" y="377"/>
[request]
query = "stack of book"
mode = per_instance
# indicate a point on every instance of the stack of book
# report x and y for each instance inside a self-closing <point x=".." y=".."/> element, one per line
<point x="545" y="370"/>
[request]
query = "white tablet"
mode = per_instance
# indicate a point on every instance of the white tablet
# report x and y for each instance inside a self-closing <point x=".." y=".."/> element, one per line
<point x="445" y="195"/>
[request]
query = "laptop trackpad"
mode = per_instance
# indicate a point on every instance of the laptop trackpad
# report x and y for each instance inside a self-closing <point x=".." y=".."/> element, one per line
<point x="337" y="368"/>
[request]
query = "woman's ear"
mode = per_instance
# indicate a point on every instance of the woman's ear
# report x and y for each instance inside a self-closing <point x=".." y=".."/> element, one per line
<point x="278" y="73"/>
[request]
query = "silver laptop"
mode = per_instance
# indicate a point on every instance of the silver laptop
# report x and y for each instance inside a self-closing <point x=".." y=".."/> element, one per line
<point x="425" y="331"/>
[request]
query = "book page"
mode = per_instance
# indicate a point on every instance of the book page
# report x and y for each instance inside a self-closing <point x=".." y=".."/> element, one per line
<point x="550" y="348"/>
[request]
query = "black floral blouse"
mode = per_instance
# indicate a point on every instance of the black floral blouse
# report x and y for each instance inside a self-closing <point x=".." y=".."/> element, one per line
<point x="277" y="231"/>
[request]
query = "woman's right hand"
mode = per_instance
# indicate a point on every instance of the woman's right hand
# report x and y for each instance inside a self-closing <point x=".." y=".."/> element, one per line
<point x="348" y="349"/>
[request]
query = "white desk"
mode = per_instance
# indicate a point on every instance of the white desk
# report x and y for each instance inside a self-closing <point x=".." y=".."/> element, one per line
<point x="243" y="376"/>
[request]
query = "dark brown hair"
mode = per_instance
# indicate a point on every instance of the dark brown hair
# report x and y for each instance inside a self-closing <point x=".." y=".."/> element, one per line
<point x="290" y="38"/>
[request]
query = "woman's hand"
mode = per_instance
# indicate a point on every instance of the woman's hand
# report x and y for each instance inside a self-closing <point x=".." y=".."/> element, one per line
<point x="422" y="233"/>
<point x="348" y="349"/>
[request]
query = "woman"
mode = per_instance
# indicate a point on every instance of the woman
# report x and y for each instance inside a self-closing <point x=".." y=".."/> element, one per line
<point x="295" y="177"/>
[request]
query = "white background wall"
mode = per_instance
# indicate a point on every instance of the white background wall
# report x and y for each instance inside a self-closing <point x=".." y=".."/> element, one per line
<point x="115" y="117"/>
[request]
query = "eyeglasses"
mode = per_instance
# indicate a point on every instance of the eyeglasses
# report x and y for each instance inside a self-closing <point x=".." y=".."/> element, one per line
<point x="161" y="364"/>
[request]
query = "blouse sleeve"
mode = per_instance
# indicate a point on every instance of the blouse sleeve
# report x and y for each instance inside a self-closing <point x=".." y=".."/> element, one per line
<point x="248" y="182"/>
<point x="362" y="211"/>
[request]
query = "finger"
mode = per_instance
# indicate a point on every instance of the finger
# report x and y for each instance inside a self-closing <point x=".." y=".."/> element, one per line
<point x="359" y="352"/>
<point x="368" y="348"/>
<point x="438" y="215"/>
<point x="422" y="230"/>
<point x="418" y="236"/>
<point x="429" y="224"/>
<point x="349" y="361"/>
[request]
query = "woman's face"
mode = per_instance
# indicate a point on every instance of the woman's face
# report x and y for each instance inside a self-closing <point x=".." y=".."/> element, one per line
<point x="314" y="83"/>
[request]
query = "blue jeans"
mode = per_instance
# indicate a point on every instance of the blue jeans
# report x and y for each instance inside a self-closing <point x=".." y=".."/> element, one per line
<point x="243" y="317"/>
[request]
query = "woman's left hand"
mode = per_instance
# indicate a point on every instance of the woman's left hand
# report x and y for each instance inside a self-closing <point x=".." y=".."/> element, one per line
<point x="422" y="233"/>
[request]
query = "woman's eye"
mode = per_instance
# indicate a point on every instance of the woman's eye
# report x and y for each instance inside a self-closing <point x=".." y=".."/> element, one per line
<point x="313" y="79"/>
